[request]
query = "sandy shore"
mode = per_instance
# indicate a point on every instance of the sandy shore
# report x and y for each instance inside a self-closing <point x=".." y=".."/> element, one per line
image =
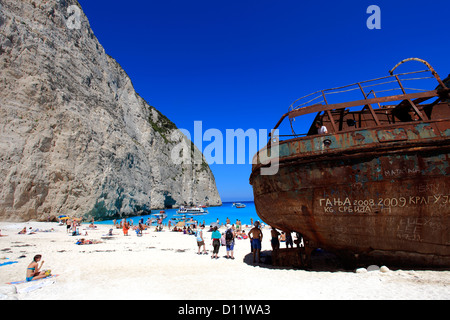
<point x="164" y="265"/>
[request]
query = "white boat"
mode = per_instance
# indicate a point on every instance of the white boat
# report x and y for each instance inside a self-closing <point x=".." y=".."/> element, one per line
<point x="193" y="211"/>
<point x="161" y="215"/>
<point x="239" y="205"/>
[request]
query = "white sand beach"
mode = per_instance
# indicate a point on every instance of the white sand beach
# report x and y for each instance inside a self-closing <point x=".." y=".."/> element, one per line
<point x="165" y="265"/>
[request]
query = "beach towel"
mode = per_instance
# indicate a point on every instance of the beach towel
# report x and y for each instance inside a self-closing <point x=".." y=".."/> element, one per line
<point x="8" y="262"/>
<point x="23" y="281"/>
<point x="36" y="286"/>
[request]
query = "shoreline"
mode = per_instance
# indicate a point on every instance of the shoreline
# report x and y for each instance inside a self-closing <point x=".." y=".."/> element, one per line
<point x="165" y="265"/>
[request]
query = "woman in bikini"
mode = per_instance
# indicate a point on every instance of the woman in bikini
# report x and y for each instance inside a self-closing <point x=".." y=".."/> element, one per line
<point x="33" y="270"/>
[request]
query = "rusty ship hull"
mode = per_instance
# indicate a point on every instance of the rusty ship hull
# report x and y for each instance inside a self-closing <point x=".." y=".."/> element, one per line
<point x="378" y="193"/>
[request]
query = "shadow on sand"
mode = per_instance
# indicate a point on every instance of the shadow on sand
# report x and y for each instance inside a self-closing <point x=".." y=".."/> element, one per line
<point x="320" y="261"/>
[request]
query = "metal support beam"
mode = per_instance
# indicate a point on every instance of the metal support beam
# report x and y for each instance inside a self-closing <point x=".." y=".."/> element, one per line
<point x="317" y="108"/>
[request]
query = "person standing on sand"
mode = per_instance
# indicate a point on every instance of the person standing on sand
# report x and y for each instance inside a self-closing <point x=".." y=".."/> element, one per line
<point x="275" y="241"/>
<point x="67" y="225"/>
<point x="229" y="238"/>
<point x="256" y="237"/>
<point x="215" y="237"/>
<point x="200" y="240"/>
<point x="125" y="226"/>
<point x="139" y="229"/>
<point x="289" y="240"/>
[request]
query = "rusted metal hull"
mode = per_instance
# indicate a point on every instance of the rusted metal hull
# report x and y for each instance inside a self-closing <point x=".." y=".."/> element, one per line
<point x="382" y="193"/>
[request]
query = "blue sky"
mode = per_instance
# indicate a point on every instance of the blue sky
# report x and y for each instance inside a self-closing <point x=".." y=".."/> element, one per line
<point x="241" y="63"/>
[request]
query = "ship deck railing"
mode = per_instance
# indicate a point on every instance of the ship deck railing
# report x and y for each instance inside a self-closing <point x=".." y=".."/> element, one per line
<point x="395" y="92"/>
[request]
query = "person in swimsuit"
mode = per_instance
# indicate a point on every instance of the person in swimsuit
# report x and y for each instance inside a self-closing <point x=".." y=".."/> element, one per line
<point x="125" y="227"/>
<point x="256" y="237"/>
<point x="33" y="270"/>
<point x="275" y="242"/>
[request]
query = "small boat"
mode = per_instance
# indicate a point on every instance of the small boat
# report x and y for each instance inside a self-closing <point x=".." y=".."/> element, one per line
<point x="162" y="215"/>
<point x="192" y="211"/>
<point x="179" y="217"/>
<point x="239" y="205"/>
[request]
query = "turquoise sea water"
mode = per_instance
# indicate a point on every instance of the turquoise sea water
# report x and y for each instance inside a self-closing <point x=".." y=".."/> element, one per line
<point x="221" y="213"/>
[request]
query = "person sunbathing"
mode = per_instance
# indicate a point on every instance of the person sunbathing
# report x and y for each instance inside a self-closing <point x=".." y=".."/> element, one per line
<point x="25" y="231"/>
<point x="83" y="241"/>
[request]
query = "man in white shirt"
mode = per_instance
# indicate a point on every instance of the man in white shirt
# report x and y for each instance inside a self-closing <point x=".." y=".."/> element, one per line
<point x="320" y="128"/>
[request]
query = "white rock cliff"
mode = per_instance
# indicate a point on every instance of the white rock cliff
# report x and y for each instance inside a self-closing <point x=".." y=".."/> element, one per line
<point x="75" y="137"/>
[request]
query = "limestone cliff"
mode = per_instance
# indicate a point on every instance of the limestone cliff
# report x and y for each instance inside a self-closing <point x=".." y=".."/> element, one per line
<point x="75" y="137"/>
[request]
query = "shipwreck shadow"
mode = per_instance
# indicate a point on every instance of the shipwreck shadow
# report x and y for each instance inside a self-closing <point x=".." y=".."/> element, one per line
<point x="320" y="261"/>
<point x="266" y="260"/>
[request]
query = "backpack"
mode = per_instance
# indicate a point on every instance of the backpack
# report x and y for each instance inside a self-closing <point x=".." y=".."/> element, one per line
<point x="229" y="235"/>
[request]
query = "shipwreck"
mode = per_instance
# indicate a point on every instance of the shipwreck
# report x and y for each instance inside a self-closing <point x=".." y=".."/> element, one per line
<point x="376" y="186"/>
